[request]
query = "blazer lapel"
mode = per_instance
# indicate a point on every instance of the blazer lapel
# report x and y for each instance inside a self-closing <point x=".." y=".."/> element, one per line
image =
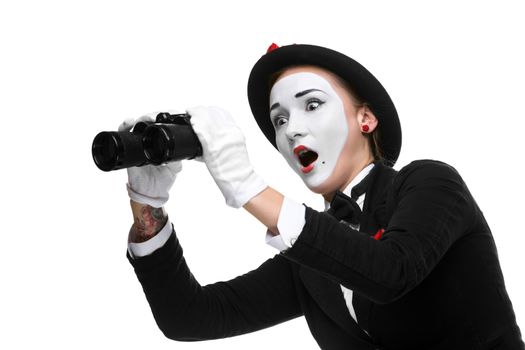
<point x="375" y="216"/>
<point x="375" y="212"/>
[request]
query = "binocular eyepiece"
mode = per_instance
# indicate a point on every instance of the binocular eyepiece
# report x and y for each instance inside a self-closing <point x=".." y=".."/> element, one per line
<point x="168" y="139"/>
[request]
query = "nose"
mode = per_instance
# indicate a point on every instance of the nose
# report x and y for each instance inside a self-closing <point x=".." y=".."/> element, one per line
<point x="295" y="127"/>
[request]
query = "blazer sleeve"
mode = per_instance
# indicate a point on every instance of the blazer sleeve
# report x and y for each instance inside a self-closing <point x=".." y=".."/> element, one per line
<point x="433" y="208"/>
<point x="184" y="310"/>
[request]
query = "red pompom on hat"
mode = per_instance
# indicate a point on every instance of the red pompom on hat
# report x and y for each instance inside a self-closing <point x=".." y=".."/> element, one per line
<point x="272" y="47"/>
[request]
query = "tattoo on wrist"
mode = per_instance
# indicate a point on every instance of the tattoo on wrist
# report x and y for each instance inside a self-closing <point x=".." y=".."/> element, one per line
<point x="148" y="221"/>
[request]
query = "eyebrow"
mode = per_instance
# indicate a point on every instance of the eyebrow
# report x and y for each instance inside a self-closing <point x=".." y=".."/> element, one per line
<point x="297" y="95"/>
<point x="305" y="92"/>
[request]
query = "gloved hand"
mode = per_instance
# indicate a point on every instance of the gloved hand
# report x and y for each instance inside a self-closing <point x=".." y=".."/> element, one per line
<point x="224" y="152"/>
<point x="150" y="184"/>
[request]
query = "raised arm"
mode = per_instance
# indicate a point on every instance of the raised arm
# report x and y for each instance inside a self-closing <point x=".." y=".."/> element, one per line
<point x="183" y="309"/>
<point x="186" y="311"/>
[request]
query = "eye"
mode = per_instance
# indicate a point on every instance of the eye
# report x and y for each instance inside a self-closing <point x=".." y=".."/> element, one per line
<point x="313" y="104"/>
<point x="279" y="121"/>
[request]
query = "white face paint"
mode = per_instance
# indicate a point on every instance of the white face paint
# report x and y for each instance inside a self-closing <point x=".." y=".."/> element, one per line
<point x="310" y="125"/>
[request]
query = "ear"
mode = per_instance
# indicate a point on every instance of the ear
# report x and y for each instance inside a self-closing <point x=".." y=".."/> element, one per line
<point x="365" y="116"/>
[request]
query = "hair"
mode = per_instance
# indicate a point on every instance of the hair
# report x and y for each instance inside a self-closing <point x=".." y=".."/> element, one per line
<point x="374" y="138"/>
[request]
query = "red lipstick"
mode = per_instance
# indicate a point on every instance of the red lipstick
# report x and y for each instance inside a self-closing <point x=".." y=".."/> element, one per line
<point x="298" y="149"/>
<point x="306" y="158"/>
<point x="307" y="169"/>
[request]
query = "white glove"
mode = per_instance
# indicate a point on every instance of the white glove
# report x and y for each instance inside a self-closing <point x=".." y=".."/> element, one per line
<point x="225" y="155"/>
<point x="150" y="184"/>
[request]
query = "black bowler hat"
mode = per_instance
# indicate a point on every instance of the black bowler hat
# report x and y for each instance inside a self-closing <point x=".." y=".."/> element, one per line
<point x="358" y="77"/>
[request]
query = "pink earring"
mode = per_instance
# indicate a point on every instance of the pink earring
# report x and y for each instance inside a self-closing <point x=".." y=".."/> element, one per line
<point x="365" y="128"/>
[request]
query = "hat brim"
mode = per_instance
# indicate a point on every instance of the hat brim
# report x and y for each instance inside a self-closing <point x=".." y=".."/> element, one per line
<point x="357" y="76"/>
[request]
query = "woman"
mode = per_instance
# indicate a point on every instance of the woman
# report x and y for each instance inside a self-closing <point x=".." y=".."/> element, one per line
<point x="401" y="260"/>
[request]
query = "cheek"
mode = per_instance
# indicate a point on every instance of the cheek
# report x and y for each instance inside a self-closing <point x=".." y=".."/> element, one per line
<point x="354" y="132"/>
<point x="280" y="141"/>
<point x="333" y="130"/>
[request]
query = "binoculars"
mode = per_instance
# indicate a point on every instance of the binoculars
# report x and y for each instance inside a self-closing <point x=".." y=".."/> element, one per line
<point x="168" y="139"/>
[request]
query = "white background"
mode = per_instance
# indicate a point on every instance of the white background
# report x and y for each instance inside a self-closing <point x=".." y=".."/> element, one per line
<point x="70" y="69"/>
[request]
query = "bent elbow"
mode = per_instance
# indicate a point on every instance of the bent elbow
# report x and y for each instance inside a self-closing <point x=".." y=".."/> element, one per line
<point x="178" y="328"/>
<point x="171" y="331"/>
<point x="178" y="333"/>
<point x="189" y="329"/>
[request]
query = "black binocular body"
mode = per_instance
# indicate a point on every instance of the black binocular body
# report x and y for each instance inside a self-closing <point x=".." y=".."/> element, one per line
<point x="168" y="139"/>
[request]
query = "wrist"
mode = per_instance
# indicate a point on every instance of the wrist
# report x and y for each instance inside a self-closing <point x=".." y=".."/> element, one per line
<point x="266" y="207"/>
<point x="250" y="187"/>
<point x="147" y="221"/>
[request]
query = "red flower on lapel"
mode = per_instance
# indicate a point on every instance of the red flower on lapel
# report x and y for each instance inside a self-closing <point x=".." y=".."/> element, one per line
<point x="379" y="234"/>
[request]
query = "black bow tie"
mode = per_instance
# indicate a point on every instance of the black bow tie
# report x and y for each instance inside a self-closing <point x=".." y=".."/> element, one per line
<point x="346" y="208"/>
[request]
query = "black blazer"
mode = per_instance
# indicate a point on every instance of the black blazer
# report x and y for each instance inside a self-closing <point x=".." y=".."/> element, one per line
<point x="433" y="280"/>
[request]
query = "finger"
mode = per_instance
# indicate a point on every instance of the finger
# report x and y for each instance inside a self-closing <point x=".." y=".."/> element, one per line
<point x="126" y="125"/>
<point x="150" y="117"/>
<point x="174" y="167"/>
<point x="175" y="111"/>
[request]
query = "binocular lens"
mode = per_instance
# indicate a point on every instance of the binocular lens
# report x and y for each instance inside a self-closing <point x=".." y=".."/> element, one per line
<point x="106" y="150"/>
<point x="170" y="142"/>
<point x="117" y="150"/>
<point x="156" y="142"/>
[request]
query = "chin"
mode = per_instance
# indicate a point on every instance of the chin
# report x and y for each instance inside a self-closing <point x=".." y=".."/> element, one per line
<point x="324" y="188"/>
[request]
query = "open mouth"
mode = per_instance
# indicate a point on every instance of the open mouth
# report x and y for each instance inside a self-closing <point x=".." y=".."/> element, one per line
<point x="306" y="157"/>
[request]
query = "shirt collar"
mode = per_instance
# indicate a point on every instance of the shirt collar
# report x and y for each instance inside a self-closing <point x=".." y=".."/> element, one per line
<point x="360" y="176"/>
